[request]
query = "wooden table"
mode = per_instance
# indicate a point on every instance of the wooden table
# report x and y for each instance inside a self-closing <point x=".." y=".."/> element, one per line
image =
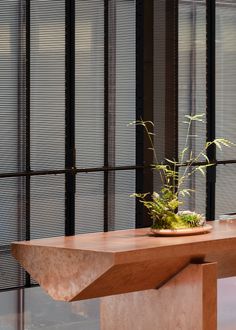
<point x="148" y="283"/>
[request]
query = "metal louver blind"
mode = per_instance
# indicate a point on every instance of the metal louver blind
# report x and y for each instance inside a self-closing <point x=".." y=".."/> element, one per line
<point x="90" y="112"/>
<point x="225" y="189"/>
<point x="192" y="69"/>
<point x="12" y="229"/>
<point x="89" y="202"/>
<point x="47" y="206"/>
<point x="47" y="117"/>
<point x="125" y="112"/>
<point x="124" y="213"/>
<point x="226" y="75"/>
<point x="11" y="189"/>
<point x="10" y="39"/>
<point x="89" y="82"/>
<point x="192" y="87"/>
<point x="125" y="82"/>
<point x="225" y="104"/>
<point x="34" y="206"/>
<point x="47" y="79"/>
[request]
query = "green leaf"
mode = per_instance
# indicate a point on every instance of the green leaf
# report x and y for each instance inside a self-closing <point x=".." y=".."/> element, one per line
<point x="201" y="169"/>
<point x="217" y="143"/>
<point x="184" y="192"/>
<point x="144" y="123"/>
<point x="171" y="161"/>
<point x="184" y="150"/>
<point x="161" y="167"/>
<point x="197" y="117"/>
<point x="141" y="196"/>
<point x="136" y="122"/>
<point x="225" y="142"/>
<point x="205" y="156"/>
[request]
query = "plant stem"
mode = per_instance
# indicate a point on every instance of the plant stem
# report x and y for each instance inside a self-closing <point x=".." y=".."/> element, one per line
<point x="153" y="149"/>
<point x="186" y="141"/>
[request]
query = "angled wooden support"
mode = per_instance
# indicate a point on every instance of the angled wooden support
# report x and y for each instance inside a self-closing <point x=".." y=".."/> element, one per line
<point x="186" y="302"/>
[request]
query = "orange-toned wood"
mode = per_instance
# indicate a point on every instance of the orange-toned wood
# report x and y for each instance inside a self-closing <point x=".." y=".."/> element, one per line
<point x="185" y="302"/>
<point x="102" y="264"/>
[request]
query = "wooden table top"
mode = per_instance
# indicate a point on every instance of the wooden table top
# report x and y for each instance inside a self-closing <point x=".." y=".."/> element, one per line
<point x="99" y="264"/>
<point x="133" y="239"/>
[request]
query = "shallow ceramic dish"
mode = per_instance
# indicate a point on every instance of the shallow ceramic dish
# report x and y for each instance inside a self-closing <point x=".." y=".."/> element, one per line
<point x="182" y="232"/>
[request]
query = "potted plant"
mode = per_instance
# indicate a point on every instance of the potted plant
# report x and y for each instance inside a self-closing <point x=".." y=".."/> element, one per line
<point x="163" y="206"/>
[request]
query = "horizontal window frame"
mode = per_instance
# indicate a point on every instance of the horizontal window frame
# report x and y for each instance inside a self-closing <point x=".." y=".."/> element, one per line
<point x="101" y="169"/>
<point x="71" y="170"/>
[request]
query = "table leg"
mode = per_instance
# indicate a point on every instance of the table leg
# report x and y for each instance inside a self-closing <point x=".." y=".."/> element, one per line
<point x="187" y="301"/>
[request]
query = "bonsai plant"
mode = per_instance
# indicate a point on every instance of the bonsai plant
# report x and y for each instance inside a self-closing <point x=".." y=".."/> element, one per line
<point x="163" y="206"/>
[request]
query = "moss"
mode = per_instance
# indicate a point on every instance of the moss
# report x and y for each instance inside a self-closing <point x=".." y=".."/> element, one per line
<point x="181" y="220"/>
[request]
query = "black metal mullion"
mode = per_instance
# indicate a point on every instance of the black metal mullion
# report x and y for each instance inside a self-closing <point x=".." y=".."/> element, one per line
<point x="106" y="109"/>
<point x="211" y="115"/>
<point x="21" y="309"/>
<point x="171" y="83"/>
<point x="27" y="148"/>
<point x="22" y="156"/>
<point x="70" y="176"/>
<point x="27" y="138"/>
<point x="192" y="94"/>
<point x="21" y="104"/>
<point x="139" y="108"/>
<point x="176" y="82"/>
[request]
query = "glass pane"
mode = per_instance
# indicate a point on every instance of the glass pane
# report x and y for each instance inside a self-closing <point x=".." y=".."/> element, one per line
<point x="9" y="309"/>
<point x="197" y="200"/>
<point x="9" y="67"/>
<point x="11" y="274"/>
<point x="192" y="72"/>
<point x="124" y="205"/>
<point x="125" y="81"/>
<point x="226" y="75"/>
<point x="225" y="189"/>
<point x="12" y="215"/>
<point x="90" y="201"/>
<point x="226" y="302"/>
<point x="47" y="76"/>
<point x="89" y="207"/>
<point x="89" y="83"/>
<point x="47" y="206"/>
<point x="12" y="210"/>
<point x="41" y="312"/>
